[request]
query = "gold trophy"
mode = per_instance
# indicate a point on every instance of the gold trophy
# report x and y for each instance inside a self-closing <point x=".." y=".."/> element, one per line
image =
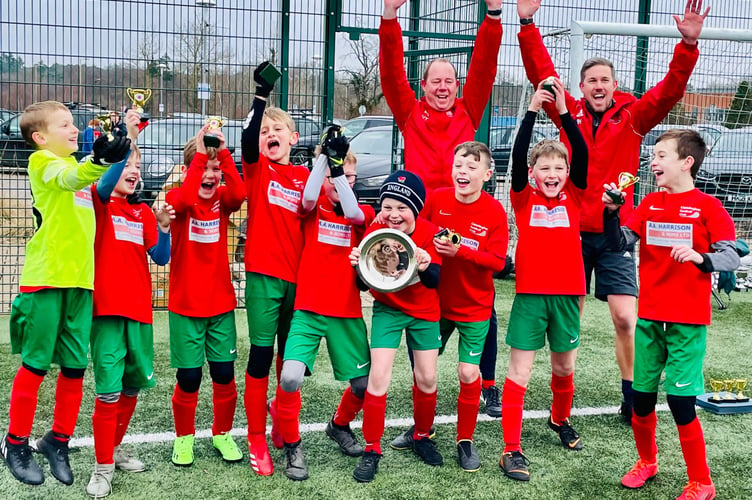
<point x="625" y="180"/>
<point x="139" y="98"/>
<point x="449" y="236"/>
<point x="717" y="386"/>
<point x="730" y="383"/>
<point x="741" y="384"/>
<point x="214" y="123"/>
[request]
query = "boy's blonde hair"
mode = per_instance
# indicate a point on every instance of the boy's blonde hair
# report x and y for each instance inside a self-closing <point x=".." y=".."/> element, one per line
<point x="34" y="119"/>
<point x="135" y="151"/>
<point x="189" y="150"/>
<point x="280" y="115"/>
<point x="549" y="147"/>
<point x="477" y="150"/>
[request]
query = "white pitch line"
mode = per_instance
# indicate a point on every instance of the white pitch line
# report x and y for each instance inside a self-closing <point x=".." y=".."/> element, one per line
<point x="166" y="437"/>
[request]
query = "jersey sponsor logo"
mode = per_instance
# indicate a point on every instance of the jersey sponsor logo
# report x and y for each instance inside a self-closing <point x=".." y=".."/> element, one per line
<point x="668" y="234"/>
<point x="689" y="212"/>
<point x="478" y="229"/>
<point x="334" y="233"/>
<point x="363" y="365"/>
<point x="562" y="196"/>
<point x="540" y="216"/>
<point x="289" y="199"/>
<point x="83" y="198"/>
<point x="470" y="243"/>
<point x="126" y="230"/>
<point x="204" y="231"/>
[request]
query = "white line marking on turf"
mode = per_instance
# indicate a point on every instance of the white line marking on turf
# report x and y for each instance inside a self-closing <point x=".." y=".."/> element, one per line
<point x="166" y="437"/>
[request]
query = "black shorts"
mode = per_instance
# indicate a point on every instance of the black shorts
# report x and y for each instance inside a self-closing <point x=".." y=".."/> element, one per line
<point x="615" y="272"/>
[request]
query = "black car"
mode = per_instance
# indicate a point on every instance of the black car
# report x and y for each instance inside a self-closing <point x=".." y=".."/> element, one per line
<point x="161" y="145"/>
<point x="373" y="148"/>
<point x="14" y="152"/>
<point x="500" y="142"/>
<point x="726" y="172"/>
<point x="309" y="132"/>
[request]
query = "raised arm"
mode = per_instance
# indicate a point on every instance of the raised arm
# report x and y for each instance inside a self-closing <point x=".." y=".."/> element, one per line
<point x="482" y="71"/>
<point x="578" y="163"/>
<point x="313" y="185"/>
<point x="397" y="91"/>
<point x="249" y="140"/>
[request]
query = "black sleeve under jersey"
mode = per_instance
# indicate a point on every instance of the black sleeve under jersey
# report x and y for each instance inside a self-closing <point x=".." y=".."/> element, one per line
<point x="579" y="164"/>
<point x="250" y="138"/>
<point x="361" y="284"/>
<point x="519" y="152"/>
<point x="430" y="277"/>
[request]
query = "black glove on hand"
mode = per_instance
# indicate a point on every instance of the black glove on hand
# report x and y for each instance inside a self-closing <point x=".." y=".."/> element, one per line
<point x="107" y="152"/>
<point x="263" y="87"/>
<point x="335" y="146"/>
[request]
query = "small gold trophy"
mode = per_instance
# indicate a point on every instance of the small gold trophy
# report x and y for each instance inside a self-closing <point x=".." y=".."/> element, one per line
<point x="717" y="386"/>
<point x="741" y="384"/>
<point x="214" y="123"/>
<point x="449" y="236"/>
<point x="730" y="383"/>
<point x="625" y="180"/>
<point x="139" y="98"/>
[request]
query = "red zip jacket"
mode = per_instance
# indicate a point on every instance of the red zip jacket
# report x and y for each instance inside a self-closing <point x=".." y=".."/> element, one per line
<point x="616" y="145"/>
<point x="431" y="136"/>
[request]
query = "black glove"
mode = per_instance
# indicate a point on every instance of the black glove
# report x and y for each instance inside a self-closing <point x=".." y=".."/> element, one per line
<point x="263" y="86"/>
<point x="335" y="146"/>
<point x="107" y="151"/>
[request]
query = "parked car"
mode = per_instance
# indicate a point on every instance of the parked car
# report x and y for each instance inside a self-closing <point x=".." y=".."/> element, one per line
<point x="14" y="152"/>
<point x="309" y="132"/>
<point x="373" y="147"/>
<point x="5" y="115"/>
<point x="161" y="145"/>
<point x="726" y="172"/>
<point x="356" y="125"/>
<point x="500" y="142"/>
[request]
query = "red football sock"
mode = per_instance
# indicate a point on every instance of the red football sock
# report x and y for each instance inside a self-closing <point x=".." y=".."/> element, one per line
<point x="643" y="429"/>
<point x="288" y="413"/>
<point x="374" y="414"/>
<point x="224" y="401"/>
<point x="512" y="402"/>
<point x="126" y="407"/>
<point x="486" y="384"/>
<point x="467" y="409"/>
<point x="68" y="395"/>
<point x="23" y="402"/>
<point x="254" y="400"/>
<point x="563" y="392"/>
<point x="104" y="422"/>
<point x="184" y="411"/>
<point x="348" y="408"/>
<point x="424" y="410"/>
<point x="693" y="449"/>
<point x="278" y="363"/>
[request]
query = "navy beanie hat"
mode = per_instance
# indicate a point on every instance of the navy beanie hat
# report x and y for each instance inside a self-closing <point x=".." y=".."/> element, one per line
<point x="406" y="187"/>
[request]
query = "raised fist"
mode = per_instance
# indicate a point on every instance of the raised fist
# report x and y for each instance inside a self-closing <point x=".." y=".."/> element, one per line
<point x="335" y="146"/>
<point x="108" y="150"/>
<point x="265" y="75"/>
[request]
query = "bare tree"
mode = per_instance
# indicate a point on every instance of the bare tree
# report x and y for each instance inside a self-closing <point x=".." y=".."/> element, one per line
<point x="363" y="81"/>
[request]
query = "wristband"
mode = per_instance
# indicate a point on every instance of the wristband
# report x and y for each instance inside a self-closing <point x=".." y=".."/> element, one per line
<point x="495" y="12"/>
<point x="526" y="20"/>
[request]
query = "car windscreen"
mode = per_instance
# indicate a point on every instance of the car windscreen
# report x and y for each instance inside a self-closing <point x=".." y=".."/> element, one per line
<point x="733" y="144"/>
<point x="372" y="142"/>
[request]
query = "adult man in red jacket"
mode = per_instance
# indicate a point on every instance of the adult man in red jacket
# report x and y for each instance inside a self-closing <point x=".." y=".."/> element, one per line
<point x="613" y="124"/>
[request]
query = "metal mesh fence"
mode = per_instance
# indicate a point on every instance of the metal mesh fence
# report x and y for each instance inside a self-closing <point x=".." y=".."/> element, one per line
<point x="87" y="53"/>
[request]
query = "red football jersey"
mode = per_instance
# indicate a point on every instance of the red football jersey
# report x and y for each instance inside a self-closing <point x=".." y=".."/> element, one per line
<point x="200" y="282"/>
<point x="326" y="280"/>
<point x="466" y="289"/>
<point x="548" y="259"/>
<point x="122" y="283"/>
<point x="670" y="291"/>
<point x="274" y="236"/>
<point x="415" y="300"/>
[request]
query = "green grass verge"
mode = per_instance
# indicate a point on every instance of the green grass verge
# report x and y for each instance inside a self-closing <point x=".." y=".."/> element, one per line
<point x="593" y="472"/>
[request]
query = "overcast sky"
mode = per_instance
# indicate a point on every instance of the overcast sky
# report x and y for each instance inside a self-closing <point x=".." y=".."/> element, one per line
<point x="102" y="32"/>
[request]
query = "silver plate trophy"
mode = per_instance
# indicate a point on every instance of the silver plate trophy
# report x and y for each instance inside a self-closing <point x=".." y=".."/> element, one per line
<point x="387" y="261"/>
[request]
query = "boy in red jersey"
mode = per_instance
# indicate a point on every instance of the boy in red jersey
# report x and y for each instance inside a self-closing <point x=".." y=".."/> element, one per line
<point x="202" y="299"/>
<point x="684" y="236"/>
<point x="272" y="253"/>
<point x="325" y="307"/>
<point x="466" y="290"/>
<point x="547" y="298"/>
<point x="414" y="309"/>
<point x="122" y="349"/>
<point x="50" y="319"/>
